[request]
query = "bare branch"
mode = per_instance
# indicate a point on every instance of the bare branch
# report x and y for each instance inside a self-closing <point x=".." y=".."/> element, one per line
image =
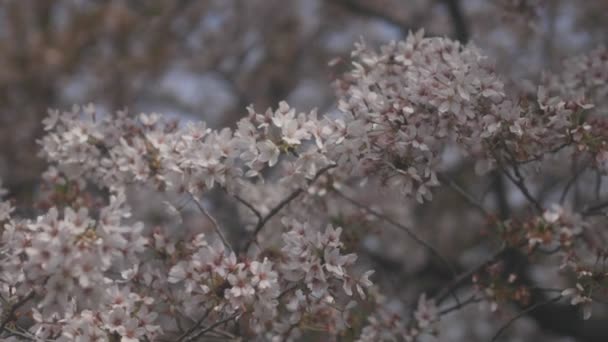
<point x="215" y="325"/>
<point x="249" y="206"/>
<point x="216" y="225"/>
<point x="196" y="325"/>
<point x="571" y="182"/>
<point x="466" y="276"/>
<point x="13" y="308"/>
<point x="467" y="196"/>
<point x="408" y="231"/>
<point x="369" y="11"/>
<point x="459" y="22"/>
<point x="519" y="181"/>
<point x="522" y="313"/>
<point x="281" y="205"/>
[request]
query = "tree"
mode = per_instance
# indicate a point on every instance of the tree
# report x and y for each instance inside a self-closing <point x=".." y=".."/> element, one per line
<point x="437" y="183"/>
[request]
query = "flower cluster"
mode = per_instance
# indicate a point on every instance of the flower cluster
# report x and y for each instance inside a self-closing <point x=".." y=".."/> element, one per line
<point x="404" y="103"/>
<point x="583" y="76"/>
<point x="307" y="284"/>
<point x="117" y="150"/>
<point x="63" y="260"/>
<point x="556" y="227"/>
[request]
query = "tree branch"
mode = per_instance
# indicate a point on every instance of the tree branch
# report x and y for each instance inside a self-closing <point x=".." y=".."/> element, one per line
<point x="408" y="231"/>
<point x="281" y="205"/>
<point x="523" y="313"/>
<point x="13" y="308"/>
<point x="216" y="225"/>
<point x="215" y="325"/>
<point x="369" y="11"/>
<point x="459" y="22"/>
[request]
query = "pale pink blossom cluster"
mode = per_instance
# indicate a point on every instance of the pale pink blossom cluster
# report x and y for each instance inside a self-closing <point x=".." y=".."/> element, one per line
<point x="117" y="150"/>
<point x="309" y="283"/>
<point x="583" y="76"/>
<point x="402" y="105"/>
<point x="66" y="259"/>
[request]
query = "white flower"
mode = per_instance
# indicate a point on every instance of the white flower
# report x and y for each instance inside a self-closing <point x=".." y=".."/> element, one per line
<point x="269" y="152"/>
<point x="426" y="312"/>
<point x="578" y="297"/>
<point x="263" y="275"/>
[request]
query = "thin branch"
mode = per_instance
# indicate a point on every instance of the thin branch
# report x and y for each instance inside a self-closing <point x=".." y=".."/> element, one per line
<point x="357" y="7"/>
<point x="472" y="299"/>
<point x="522" y="313"/>
<point x="249" y="206"/>
<point x="454" y="284"/>
<point x="214" y="325"/>
<point x="196" y="325"/>
<point x="540" y="156"/>
<point x="594" y="209"/>
<point x="571" y="182"/>
<point x="458" y="20"/>
<point x="467" y="196"/>
<point x="24" y="335"/>
<point x="11" y="312"/>
<point x="519" y="181"/>
<point x="216" y="225"/>
<point x="281" y="205"/>
<point x="408" y="231"/>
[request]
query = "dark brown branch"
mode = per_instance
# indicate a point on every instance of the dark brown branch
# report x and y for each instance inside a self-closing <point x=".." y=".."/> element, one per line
<point x="464" y="194"/>
<point x="522" y="313"/>
<point x="519" y="181"/>
<point x="408" y="231"/>
<point x="571" y="182"/>
<point x="249" y="206"/>
<point x="281" y="205"/>
<point x="595" y="209"/>
<point x="472" y="299"/>
<point x="214" y="222"/>
<point x="461" y="30"/>
<point x="196" y="325"/>
<point x="466" y="276"/>
<point x="359" y="8"/>
<point x="215" y="325"/>
<point x="13" y="308"/>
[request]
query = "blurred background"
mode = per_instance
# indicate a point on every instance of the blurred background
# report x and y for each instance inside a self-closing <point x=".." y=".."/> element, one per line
<point x="209" y="59"/>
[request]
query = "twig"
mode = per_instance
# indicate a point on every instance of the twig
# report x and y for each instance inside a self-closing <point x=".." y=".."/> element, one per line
<point x="408" y="231"/>
<point x="369" y="11"/>
<point x="467" y="196"/>
<point x="249" y="206"/>
<point x="595" y="208"/>
<point x="196" y="325"/>
<point x="216" y="225"/>
<point x="281" y="205"/>
<point x="441" y="295"/>
<point x="214" y="325"/>
<point x="11" y="312"/>
<point x="520" y="183"/>
<point x="470" y="300"/>
<point x="522" y="313"/>
<point x="571" y="182"/>
<point x="459" y="22"/>
<point x="542" y="155"/>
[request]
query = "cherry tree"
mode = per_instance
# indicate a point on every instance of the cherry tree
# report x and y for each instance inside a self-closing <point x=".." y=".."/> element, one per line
<point x="126" y="245"/>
